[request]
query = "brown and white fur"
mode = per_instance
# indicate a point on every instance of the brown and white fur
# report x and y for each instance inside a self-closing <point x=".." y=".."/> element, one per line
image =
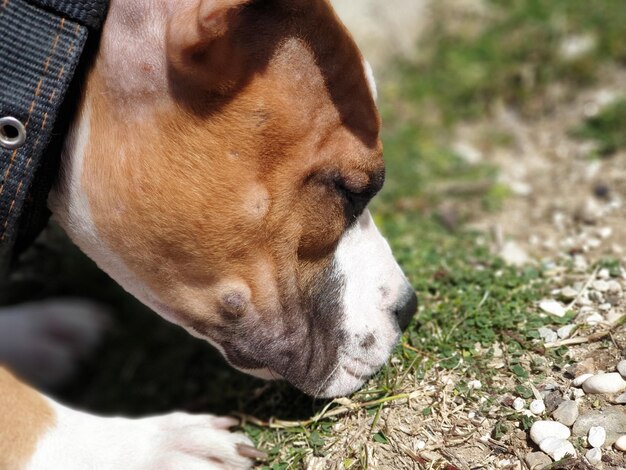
<point x="219" y="169"/>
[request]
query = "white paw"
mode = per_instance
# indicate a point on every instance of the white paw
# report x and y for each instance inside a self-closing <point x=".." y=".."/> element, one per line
<point x="173" y="442"/>
<point x="200" y="442"/>
<point x="44" y="342"/>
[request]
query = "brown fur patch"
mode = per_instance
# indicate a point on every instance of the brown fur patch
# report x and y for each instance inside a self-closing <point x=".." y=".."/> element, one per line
<point x="24" y="418"/>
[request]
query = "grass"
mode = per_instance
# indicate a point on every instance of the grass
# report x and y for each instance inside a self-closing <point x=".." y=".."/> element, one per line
<point x="607" y="129"/>
<point x="468" y="296"/>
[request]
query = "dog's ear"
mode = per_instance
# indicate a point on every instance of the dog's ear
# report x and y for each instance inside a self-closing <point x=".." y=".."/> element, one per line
<point x="199" y="41"/>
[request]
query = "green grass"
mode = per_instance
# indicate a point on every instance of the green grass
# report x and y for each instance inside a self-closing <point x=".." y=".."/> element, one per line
<point x="607" y="129"/>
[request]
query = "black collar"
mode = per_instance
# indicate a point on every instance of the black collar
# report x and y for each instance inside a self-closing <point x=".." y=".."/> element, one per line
<point x="45" y="45"/>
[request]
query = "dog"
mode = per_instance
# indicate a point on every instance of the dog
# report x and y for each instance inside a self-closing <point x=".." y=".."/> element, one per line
<point x="219" y="168"/>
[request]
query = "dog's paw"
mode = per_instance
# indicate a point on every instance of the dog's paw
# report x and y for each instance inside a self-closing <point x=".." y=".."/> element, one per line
<point x="172" y="442"/>
<point x="44" y="342"/>
<point x="200" y="442"/>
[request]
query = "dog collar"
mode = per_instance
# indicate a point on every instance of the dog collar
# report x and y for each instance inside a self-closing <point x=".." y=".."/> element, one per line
<point x="44" y="46"/>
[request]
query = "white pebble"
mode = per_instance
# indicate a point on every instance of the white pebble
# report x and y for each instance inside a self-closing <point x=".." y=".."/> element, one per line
<point x="604" y="274"/>
<point x="594" y="319"/>
<point x="475" y="384"/>
<point x="541" y="430"/>
<point x="577" y="393"/>
<point x="569" y="293"/>
<point x="565" y="331"/>
<point x="600" y="286"/>
<point x="519" y="404"/>
<point x="552" y="307"/>
<point x="557" y="448"/>
<point x="620" y="443"/>
<point x="605" y="383"/>
<point x="596" y="436"/>
<point x="578" y="381"/>
<point x="548" y="335"/>
<point x="420" y="445"/>
<point x="621" y="368"/>
<point x="537" y="407"/>
<point x="594" y="456"/>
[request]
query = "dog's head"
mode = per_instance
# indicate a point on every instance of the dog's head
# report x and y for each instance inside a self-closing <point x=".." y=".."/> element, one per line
<point x="220" y="170"/>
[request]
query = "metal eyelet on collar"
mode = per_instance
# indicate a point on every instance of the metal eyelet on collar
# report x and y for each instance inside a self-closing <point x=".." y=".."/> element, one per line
<point x="12" y="133"/>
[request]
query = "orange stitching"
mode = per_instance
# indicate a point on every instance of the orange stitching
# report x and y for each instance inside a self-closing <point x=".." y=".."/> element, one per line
<point x="45" y="120"/>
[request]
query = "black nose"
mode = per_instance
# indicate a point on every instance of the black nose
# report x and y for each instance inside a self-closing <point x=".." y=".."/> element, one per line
<point x="406" y="308"/>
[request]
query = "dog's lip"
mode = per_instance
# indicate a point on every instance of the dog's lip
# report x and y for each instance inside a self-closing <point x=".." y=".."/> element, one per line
<point x="360" y="375"/>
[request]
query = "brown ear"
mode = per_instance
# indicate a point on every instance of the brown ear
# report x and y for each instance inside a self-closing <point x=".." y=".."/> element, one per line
<point x="198" y="41"/>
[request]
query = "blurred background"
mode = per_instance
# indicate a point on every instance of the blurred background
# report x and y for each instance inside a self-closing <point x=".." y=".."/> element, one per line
<point x="505" y="139"/>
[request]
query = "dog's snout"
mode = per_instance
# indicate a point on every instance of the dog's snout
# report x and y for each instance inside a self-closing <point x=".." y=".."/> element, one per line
<point x="406" y="308"/>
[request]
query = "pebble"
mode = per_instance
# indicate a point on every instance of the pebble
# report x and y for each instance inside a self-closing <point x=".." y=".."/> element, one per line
<point x="600" y="286"/>
<point x="557" y="448"/>
<point x="577" y="393"/>
<point x="514" y="254"/>
<point x="612" y="419"/>
<point x="621" y="368"/>
<point x="594" y="456"/>
<point x="594" y="319"/>
<point x="475" y="384"/>
<point x="542" y="430"/>
<point x="565" y="331"/>
<point x="552" y="307"/>
<point x="569" y="293"/>
<point x="519" y="404"/>
<point x="620" y="399"/>
<point x="620" y="443"/>
<point x="547" y="335"/>
<point x="578" y="381"/>
<point x="615" y="287"/>
<point x="605" y="383"/>
<point x="537" y="460"/>
<point x="604" y="273"/>
<point x="420" y="445"/>
<point x="537" y="407"/>
<point x="566" y="413"/>
<point x="596" y="436"/>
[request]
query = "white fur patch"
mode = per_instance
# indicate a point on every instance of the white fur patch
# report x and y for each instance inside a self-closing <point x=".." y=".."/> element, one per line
<point x="374" y="283"/>
<point x="79" y="441"/>
<point x="371" y="81"/>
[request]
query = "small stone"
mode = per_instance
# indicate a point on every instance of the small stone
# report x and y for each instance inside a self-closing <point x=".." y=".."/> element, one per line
<point x="596" y="436"/>
<point x="566" y="413"/>
<point x="577" y="393"/>
<point x="605" y="232"/>
<point x="605" y="383"/>
<point x="420" y="445"/>
<point x="594" y="456"/>
<point x="548" y="335"/>
<point x="537" y="460"/>
<point x="621" y="368"/>
<point x="615" y="287"/>
<point x="519" y="404"/>
<point x="620" y="443"/>
<point x="542" y="430"/>
<point x="600" y="286"/>
<point x="552" y="307"/>
<point x="612" y="419"/>
<point x="552" y="400"/>
<point x="620" y="399"/>
<point x="474" y="384"/>
<point x="557" y="448"/>
<point x="537" y="407"/>
<point x="568" y="293"/>
<point x="604" y="273"/>
<point x="513" y="254"/>
<point x="578" y="381"/>
<point x="594" y="319"/>
<point x="565" y="331"/>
